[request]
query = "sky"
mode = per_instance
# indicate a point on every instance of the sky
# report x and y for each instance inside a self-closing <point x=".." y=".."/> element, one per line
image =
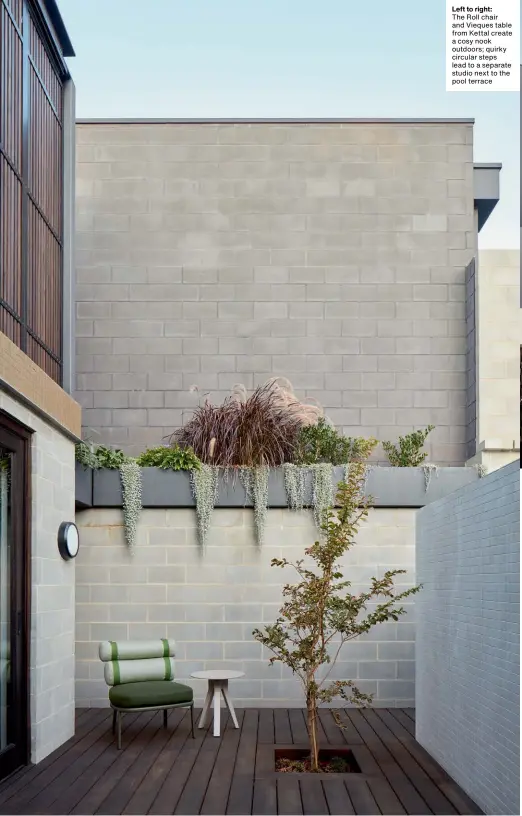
<point x="287" y="58"/>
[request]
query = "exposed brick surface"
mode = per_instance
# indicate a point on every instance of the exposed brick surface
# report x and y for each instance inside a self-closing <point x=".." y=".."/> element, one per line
<point x="209" y="602"/>
<point x="467" y="653"/>
<point x="337" y="248"/>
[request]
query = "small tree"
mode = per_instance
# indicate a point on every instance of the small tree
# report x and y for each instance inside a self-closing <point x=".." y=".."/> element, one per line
<point x="408" y="453"/>
<point x="320" y="607"/>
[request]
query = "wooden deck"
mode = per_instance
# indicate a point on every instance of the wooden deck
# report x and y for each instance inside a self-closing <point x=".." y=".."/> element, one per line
<point x="165" y="771"/>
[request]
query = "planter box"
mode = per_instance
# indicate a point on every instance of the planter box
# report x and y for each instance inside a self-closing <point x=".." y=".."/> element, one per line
<point x="83" y="487"/>
<point x="390" y="487"/>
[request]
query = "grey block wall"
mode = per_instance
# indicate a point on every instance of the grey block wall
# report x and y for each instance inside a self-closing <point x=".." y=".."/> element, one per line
<point x="467" y="652"/>
<point x="332" y="254"/>
<point x="210" y="601"/>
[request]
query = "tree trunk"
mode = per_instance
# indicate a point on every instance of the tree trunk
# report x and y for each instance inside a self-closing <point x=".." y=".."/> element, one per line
<point x="311" y="705"/>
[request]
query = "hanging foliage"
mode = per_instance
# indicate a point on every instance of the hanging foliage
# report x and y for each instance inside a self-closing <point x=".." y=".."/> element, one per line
<point x="255" y="482"/>
<point x="428" y="471"/>
<point x="205" y="489"/>
<point x="130" y="475"/>
<point x="322" y="491"/>
<point x="295" y="485"/>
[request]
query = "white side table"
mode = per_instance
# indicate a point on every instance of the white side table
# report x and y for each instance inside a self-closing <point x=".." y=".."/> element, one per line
<point x="217" y="686"/>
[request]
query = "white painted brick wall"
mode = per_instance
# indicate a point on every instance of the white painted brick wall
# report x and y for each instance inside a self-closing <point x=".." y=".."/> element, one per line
<point x="467" y="654"/>
<point x="210" y="602"/>
<point x="52" y="590"/>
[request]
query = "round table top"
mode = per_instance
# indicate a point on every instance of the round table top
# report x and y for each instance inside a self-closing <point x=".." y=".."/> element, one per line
<point x="218" y="674"/>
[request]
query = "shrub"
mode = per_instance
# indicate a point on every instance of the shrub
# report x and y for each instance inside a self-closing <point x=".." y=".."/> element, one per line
<point x="319" y="614"/>
<point x="169" y="458"/>
<point x="98" y="456"/>
<point x="322" y="443"/>
<point x="253" y="432"/>
<point x="407" y="453"/>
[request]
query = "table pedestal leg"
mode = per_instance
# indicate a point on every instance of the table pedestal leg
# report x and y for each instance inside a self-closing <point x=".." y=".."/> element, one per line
<point x="206" y="705"/>
<point x="218" y="688"/>
<point x="230" y="707"/>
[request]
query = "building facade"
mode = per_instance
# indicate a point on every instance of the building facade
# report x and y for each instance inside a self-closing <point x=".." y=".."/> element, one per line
<point x="39" y="419"/>
<point x="333" y="253"/>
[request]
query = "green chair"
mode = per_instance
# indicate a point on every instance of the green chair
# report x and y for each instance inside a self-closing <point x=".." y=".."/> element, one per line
<point x="140" y="674"/>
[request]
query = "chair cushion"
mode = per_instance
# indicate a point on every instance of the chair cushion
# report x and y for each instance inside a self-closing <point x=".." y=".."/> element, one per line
<point x="150" y="693"/>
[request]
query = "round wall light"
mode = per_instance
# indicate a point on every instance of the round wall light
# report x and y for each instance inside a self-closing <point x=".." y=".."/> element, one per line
<point x="68" y="540"/>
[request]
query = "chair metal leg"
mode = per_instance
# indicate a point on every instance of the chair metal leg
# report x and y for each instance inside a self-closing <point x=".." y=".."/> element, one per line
<point x="192" y="720"/>
<point x="165" y="715"/>
<point x="114" y="721"/>
<point x="119" y="729"/>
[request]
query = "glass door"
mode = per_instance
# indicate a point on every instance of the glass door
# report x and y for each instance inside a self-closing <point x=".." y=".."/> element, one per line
<point x="14" y="598"/>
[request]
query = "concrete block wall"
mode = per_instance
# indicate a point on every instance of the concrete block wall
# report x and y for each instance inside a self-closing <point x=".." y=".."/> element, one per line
<point x="333" y="254"/>
<point x="467" y="651"/>
<point x="52" y="590"/>
<point x="210" y="601"/>
<point x="498" y="342"/>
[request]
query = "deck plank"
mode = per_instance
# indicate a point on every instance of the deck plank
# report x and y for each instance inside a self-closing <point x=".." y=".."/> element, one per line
<point x="312" y="797"/>
<point x="461" y="802"/>
<point x="147" y="790"/>
<point x="165" y="771"/>
<point x="124" y="790"/>
<point x="30" y="774"/>
<point x="393" y="791"/>
<point x="242" y="787"/>
<point x="297" y="717"/>
<point x="362" y="798"/>
<point x="289" y="796"/>
<point x="218" y="790"/>
<point x="174" y="782"/>
<point x="283" y="732"/>
<point x="429" y="792"/>
<point x="339" y="802"/>
<point x="135" y="738"/>
<point x="191" y="799"/>
<point x="67" y="790"/>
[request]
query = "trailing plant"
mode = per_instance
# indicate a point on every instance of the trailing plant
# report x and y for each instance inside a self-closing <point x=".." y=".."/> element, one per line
<point x="429" y="470"/>
<point x="320" y="608"/>
<point x="204" y="482"/>
<point x="255" y="482"/>
<point x="255" y="432"/>
<point x="323" y="443"/>
<point x="85" y="454"/>
<point x="295" y="485"/>
<point x="481" y="470"/>
<point x="169" y="458"/>
<point x="130" y="475"/>
<point x="322" y="491"/>
<point x="407" y="452"/>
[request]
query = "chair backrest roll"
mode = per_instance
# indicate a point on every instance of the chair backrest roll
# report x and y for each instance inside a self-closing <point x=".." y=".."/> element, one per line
<point x="135" y="660"/>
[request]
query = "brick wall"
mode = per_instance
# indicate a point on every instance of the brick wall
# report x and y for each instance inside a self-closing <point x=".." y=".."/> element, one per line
<point x="331" y="254"/>
<point x="52" y="591"/>
<point x="467" y="654"/>
<point x="210" y="602"/>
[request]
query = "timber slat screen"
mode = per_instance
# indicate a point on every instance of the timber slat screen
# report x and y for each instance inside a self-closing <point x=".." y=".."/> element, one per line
<point x="31" y="185"/>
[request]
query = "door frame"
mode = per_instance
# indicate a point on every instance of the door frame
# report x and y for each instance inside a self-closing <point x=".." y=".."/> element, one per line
<point x="21" y="577"/>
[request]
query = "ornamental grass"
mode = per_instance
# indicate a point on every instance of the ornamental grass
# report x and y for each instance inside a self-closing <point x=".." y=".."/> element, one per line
<point x="245" y="431"/>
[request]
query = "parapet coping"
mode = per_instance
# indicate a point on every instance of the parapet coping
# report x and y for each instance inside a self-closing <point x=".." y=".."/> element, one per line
<point x="276" y="121"/>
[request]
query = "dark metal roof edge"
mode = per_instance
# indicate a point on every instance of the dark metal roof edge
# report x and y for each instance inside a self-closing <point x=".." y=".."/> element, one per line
<point x="58" y="24"/>
<point x="487" y="165"/>
<point x="269" y="120"/>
